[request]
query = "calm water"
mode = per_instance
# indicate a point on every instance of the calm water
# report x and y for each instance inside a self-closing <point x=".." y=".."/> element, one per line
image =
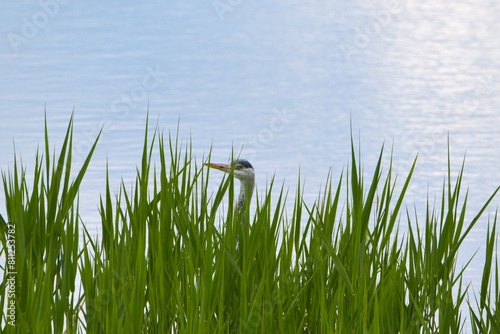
<point x="282" y="81"/>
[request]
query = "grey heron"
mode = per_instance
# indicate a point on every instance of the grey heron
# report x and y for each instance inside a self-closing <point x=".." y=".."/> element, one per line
<point x="243" y="171"/>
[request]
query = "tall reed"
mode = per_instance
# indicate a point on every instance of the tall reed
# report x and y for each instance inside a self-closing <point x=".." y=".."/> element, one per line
<point x="170" y="258"/>
<point x="44" y="222"/>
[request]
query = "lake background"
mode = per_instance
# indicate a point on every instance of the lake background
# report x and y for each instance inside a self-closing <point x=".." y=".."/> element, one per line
<point x="283" y="82"/>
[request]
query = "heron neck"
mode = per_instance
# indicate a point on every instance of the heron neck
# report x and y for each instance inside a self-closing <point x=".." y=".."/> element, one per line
<point x="246" y="191"/>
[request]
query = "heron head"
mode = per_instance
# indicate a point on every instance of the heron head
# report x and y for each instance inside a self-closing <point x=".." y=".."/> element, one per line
<point x="241" y="169"/>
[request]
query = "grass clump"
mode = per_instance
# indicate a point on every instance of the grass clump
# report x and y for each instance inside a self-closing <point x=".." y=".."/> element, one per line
<point x="44" y="251"/>
<point x="168" y="261"/>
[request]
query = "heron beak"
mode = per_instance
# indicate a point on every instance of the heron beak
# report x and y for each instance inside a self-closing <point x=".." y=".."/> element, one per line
<point x="223" y="167"/>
